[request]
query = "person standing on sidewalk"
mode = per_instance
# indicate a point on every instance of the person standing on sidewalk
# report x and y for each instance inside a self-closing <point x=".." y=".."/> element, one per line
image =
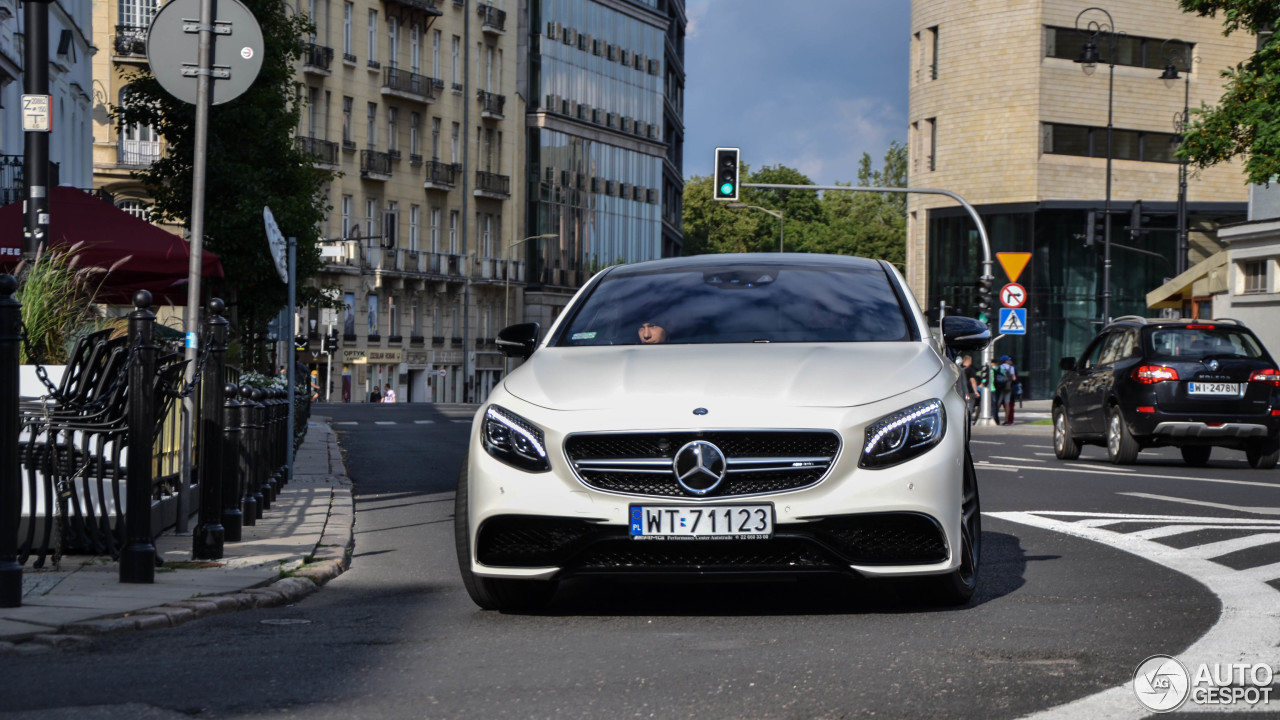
<point x="389" y="395"/>
<point x="972" y="393"/>
<point x="1006" y="376"/>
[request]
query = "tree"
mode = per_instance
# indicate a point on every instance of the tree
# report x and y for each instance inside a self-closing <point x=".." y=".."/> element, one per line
<point x="1244" y="122"/>
<point x="251" y="162"/>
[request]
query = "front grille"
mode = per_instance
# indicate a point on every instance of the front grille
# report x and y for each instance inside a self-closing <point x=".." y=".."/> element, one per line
<point x="758" y="462"/>
<point x="829" y="545"/>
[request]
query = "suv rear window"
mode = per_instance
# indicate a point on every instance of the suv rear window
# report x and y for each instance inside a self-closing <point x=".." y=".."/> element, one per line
<point x="1199" y="341"/>
<point x="743" y="303"/>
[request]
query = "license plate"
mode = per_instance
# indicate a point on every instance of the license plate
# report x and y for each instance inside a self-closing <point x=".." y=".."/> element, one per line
<point x="1213" y="388"/>
<point x="722" y="522"/>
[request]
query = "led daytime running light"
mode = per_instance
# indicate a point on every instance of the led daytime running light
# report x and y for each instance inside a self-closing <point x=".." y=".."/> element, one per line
<point x="495" y="415"/>
<point x="928" y="417"/>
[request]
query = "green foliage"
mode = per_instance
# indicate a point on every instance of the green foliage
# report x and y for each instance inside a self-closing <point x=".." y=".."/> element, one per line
<point x="251" y="162"/>
<point x="843" y="223"/>
<point x="1244" y="121"/>
<point x="56" y="295"/>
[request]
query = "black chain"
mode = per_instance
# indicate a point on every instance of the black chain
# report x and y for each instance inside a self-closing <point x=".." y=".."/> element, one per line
<point x="189" y="388"/>
<point x="40" y="370"/>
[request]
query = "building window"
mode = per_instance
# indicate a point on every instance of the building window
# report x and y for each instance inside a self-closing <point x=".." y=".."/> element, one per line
<point x="393" y="41"/>
<point x="393" y="131"/>
<point x="933" y="52"/>
<point x="414" y="121"/>
<point x="1255" y="276"/>
<point x="373" y="315"/>
<point x="373" y="125"/>
<point x="453" y="143"/>
<point x="931" y="141"/>
<point x="416" y="312"/>
<point x="435" y="54"/>
<point x="373" y="36"/>
<point x="415" y="219"/>
<point x="453" y="232"/>
<point x="347" y="138"/>
<point x="435" y="229"/>
<point x="393" y="317"/>
<point x="391" y="225"/>
<point x="415" y="48"/>
<point x="435" y="138"/>
<point x="1084" y="141"/>
<point x="1131" y="50"/>
<point x="456" y="43"/>
<point x="370" y="217"/>
<point x="347" y="10"/>
<point x="137" y="13"/>
<point x="346" y="216"/>
<point x="135" y="208"/>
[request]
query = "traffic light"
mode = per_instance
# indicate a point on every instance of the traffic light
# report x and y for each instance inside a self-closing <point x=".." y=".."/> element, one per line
<point x="726" y="174"/>
<point x="1137" y="220"/>
<point x="331" y="344"/>
<point x="985" y="297"/>
<point x="300" y="343"/>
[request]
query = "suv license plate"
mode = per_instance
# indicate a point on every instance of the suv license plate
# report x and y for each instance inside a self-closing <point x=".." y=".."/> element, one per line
<point x="1213" y="388"/>
<point x="721" y="522"/>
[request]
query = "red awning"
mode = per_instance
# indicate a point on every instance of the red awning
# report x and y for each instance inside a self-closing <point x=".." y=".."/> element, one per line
<point x="158" y="259"/>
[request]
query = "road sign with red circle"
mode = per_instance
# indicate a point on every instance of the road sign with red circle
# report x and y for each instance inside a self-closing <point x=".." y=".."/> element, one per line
<point x="1013" y="295"/>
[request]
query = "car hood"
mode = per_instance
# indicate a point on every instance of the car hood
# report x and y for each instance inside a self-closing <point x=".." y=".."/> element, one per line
<point x="794" y="375"/>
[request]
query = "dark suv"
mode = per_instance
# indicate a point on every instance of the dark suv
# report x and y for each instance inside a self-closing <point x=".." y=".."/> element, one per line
<point x="1193" y="384"/>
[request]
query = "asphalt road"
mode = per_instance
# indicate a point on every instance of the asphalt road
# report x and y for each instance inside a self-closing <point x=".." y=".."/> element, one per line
<point x="1086" y="572"/>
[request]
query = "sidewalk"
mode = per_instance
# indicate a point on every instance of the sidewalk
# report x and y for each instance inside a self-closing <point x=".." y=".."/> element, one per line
<point x="300" y="543"/>
<point x="1030" y="416"/>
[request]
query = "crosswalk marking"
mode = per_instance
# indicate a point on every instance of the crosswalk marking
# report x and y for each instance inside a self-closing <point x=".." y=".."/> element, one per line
<point x="1224" y="547"/>
<point x="1206" y="503"/>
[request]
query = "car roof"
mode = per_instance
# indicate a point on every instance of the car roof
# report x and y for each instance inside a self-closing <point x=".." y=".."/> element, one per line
<point x="729" y="259"/>
<point x="1173" y="322"/>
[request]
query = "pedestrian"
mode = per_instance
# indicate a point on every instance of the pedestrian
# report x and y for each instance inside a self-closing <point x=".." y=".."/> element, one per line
<point x="972" y="394"/>
<point x="388" y="395"/>
<point x="1006" y="376"/>
<point x="315" y="385"/>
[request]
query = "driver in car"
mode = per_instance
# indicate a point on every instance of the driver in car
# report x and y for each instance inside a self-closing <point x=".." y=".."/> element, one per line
<point x="652" y="333"/>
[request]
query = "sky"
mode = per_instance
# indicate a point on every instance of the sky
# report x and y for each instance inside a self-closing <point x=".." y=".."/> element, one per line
<point x="810" y="84"/>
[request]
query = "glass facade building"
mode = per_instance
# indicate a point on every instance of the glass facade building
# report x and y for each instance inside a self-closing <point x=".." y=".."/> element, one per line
<point x="601" y="127"/>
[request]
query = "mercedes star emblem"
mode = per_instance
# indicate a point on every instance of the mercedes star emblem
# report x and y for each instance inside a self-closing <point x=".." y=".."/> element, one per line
<point x="699" y="467"/>
<point x="1213" y="364"/>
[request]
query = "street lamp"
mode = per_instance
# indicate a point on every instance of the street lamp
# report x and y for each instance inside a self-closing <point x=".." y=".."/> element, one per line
<point x="1089" y="59"/>
<point x="1172" y="54"/>
<point x="780" y="215"/>
<point x="506" y="300"/>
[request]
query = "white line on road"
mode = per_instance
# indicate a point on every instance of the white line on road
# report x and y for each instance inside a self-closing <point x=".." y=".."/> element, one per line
<point x="1224" y="547"/>
<point x="347" y="422"/>
<point x="1206" y="503"/>
<point x="1157" y="518"/>
<point x="1135" y="474"/>
<point x="1015" y="459"/>
<point x="984" y="442"/>
<point x="1039" y="454"/>
<point x="1246" y="630"/>
<point x="384" y="422"/>
<point x="1041" y="446"/>
<point x="423" y="422"/>
<point x="463" y="422"/>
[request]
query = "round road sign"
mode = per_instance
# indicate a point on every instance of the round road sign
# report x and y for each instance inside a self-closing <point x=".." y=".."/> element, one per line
<point x="173" y="44"/>
<point x="1013" y="295"/>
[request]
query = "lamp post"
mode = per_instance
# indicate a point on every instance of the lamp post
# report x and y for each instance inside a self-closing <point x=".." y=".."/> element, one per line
<point x="1172" y="54"/>
<point x="781" y="215"/>
<point x="506" y="300"/>
<point x="1089" y="59"/>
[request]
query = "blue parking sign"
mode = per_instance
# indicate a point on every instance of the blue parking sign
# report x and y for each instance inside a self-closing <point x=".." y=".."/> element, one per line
<point x="1013" y="321"/>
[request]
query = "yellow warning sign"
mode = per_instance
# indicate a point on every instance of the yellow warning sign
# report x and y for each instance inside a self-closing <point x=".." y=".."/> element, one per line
<point x="1013" y="263"/>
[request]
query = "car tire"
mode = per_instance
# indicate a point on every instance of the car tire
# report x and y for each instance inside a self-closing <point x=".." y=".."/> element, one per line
<point x="957" y="587"/>
<point x="1263" y="455"/>
<point x="1064" y="445"/>
<point x="1122" y="449"/>
<point x="1196" y="455"/>
<point x="491" y="593"/>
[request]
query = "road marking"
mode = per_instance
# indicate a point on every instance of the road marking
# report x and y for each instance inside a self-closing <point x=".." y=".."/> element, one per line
<point x="1135" y="474"/>
<point x="463" y="422"/>
<point x="1224" y="547"/>
<point x="384" y="422"/>
<point x="1206" y="503"/>
<point x="1003" y="457"/>
<point x="1041" y="446"/>
<point x="347" y="422"/>
<point x="984" y="442"/>
<point x="1246" y="630"/>
<point x="424" y="422"/>
<point x="1039" y="454"/>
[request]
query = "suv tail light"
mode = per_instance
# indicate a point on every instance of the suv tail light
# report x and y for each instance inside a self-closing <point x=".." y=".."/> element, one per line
<point x="1270" y="375"/>
<point x="1152" y="374"/>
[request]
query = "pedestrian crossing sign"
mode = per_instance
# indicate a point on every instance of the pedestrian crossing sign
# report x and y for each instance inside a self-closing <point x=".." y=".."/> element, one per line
<point x="1013" y="321"/>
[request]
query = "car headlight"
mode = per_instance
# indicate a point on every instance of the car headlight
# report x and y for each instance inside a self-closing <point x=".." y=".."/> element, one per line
<point x="514" y="440"/>
<point x="903" y="435"/>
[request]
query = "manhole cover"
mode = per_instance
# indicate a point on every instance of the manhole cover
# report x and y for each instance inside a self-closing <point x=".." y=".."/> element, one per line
<point x="284" y="621"/>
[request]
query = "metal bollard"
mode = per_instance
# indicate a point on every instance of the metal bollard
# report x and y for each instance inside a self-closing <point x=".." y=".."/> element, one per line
<point x="209" y="536"/>
<point x="261" y="463"/>
<point x="138" y="558"/>
<point x="10" y="426"/>
<point x="252" y="508"/>
<point x="272" y="439"/>
<point x="282" y="437"/>
<point x="232" y="479"/>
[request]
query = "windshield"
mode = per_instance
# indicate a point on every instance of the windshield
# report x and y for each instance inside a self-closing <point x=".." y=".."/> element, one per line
<point x="740" y="303"/>
<point x="1199" y="341"/>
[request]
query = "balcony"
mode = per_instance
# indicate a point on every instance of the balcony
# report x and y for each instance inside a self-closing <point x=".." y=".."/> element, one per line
<point x="317" y="59"/>
<point x="440" y="176"/>
<point x="492" y="20"/>
<point x="430" y="7"/>
<point x="324" y="151"/>
<point x="491" y="104"/>
<point x="492" y="185"/>
<point x="131" y="41"/>
<point x="375" y="165"/>
<point x="408" y="85"/>
<point x="138" y="153"/>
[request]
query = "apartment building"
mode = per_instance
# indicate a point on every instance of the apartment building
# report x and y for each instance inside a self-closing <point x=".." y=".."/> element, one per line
<point x="1002" y="113"/>
<point x="72" y="103"/>
<point x="605" y="84"/>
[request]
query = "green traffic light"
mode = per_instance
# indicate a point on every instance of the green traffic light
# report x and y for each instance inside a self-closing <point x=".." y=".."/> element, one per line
<point x="726" y="189"/>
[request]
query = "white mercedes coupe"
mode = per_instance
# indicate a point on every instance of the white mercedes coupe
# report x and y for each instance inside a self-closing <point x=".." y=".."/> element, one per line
<point x="724" y="416"/>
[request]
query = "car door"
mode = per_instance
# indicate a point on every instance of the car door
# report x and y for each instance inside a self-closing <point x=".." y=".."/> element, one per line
<point x="1079" y="391"/>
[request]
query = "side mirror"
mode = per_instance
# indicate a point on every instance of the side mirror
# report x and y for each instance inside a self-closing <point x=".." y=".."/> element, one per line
<point x="965" y="333"/>
<point x="518" y="340"/>
<point x="1067" y="364"/>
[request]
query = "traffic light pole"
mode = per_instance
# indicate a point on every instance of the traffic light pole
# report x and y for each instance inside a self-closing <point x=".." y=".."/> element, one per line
<point x="987" y="416"/>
